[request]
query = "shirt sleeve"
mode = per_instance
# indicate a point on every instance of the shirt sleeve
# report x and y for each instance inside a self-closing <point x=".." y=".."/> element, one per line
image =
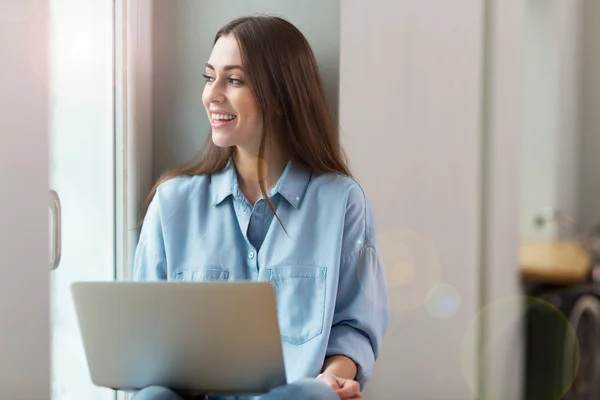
<point x="361" y="315"/>
<point x="149" y="262"/>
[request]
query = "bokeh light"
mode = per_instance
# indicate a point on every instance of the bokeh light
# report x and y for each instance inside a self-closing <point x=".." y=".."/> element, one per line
<point x="443" y="301"/>
<point x="503" y="344"/>
<point x="412" y="268"/>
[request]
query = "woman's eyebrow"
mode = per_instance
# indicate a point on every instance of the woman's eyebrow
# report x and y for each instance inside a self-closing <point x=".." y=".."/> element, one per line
<point x="225" y="68"/>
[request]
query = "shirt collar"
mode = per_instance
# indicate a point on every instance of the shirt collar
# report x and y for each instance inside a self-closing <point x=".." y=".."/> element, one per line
<point x="291" y="185"/>
<point x="222" y="183"/>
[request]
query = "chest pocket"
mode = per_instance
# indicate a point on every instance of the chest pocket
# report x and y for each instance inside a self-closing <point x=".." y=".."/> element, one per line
<point x="209" y="274"/>
<point x="300" y="293"/>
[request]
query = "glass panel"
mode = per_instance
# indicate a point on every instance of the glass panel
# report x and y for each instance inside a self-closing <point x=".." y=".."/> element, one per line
<point x="82" y="173"/>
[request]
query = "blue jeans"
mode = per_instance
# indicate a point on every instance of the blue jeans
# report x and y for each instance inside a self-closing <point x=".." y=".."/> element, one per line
<point x="304" y="389"/>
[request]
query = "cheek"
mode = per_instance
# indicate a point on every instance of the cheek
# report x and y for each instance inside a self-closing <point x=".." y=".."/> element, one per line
<point x="251" y="111"/>
<point x="243" y="101"/>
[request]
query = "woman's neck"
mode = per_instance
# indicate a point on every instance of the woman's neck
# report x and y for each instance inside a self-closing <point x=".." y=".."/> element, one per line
<point x="246" y="164"/>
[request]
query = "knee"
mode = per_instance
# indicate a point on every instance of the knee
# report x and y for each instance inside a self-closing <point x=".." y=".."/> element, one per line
<point x="315" y="390"/>
<point x="156" y="393"/>
<point x="303" y="389"/>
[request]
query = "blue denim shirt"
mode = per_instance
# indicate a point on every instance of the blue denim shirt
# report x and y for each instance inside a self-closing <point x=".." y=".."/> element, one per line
<point x="327" y="272"/>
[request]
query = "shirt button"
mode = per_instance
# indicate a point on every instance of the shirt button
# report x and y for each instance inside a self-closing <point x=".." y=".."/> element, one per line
<point x="251" y="254"/>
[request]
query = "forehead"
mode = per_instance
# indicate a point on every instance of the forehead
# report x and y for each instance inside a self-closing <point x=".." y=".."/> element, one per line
<point x="225" y="52"/>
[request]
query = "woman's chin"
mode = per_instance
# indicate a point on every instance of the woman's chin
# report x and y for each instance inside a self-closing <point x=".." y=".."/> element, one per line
<point x="221" y="140"/>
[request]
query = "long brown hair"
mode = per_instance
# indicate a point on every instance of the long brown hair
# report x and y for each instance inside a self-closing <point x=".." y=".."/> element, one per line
<point x="282" y="71"/>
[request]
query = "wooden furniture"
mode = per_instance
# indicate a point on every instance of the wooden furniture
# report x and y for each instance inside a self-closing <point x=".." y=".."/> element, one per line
<point x="557" y="262"/>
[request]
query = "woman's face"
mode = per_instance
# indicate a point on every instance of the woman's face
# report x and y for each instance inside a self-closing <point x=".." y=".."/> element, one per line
<point x="233" y="112"/>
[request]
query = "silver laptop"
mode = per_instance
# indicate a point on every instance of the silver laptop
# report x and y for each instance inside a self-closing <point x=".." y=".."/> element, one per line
<point x="195" y="337"/>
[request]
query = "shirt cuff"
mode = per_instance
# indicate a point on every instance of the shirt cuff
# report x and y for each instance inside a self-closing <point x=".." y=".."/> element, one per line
<point x="347" y="341"/>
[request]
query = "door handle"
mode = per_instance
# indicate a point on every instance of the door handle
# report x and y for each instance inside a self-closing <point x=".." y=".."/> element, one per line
<point x="56" y="231"/>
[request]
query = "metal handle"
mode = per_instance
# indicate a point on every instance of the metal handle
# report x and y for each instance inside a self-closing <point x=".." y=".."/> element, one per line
<point x="56" y="232"/>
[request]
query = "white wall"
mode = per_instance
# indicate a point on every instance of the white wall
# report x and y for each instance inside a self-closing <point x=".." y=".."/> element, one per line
<point x="410" y="90"/>
<point x="569" y="103"/>
<point x="589" y="197"/>
<point x="502" y="303"/>
<point x="553" y="113"/>
<point x="24" y="199"/>
<point x="541" y="91"/>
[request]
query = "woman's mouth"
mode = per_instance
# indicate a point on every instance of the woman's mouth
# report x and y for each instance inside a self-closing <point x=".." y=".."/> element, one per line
<point x="221" y="120"/>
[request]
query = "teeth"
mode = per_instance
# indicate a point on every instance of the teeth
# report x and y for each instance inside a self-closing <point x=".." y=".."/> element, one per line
<point x="223" y="117"/>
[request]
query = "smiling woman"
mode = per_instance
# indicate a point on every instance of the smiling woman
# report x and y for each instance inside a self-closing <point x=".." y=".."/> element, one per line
<point x="274" y="152"/>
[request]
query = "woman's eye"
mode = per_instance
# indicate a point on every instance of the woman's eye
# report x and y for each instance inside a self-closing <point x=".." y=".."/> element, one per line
<point x="233" y="81"/>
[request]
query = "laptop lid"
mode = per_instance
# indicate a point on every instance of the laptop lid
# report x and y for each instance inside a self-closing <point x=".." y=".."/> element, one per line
<point x="202" y="337"/>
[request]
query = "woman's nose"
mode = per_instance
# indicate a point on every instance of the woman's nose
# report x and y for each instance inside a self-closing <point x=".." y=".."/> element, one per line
<point x="215" y="93"/>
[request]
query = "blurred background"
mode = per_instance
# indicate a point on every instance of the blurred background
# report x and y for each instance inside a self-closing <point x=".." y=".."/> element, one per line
<point x="473" y="126"/>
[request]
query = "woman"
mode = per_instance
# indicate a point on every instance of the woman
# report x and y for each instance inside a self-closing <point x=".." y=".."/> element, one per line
<point x="271" y="198"/>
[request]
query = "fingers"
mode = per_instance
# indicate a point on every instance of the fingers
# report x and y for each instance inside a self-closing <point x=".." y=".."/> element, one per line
<point x="349" y="390"/>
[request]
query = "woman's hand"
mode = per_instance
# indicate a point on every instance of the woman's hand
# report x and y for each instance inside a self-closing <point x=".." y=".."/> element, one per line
<point x="347" y="389"/>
